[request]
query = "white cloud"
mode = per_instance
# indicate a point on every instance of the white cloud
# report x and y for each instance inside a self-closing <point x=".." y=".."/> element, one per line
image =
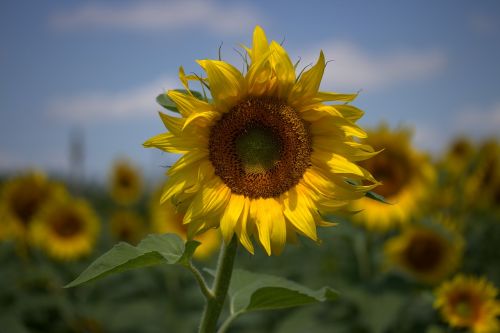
<point x="92" y="106"/>
<point x="355" y="68"/>
<point x="227" y="18"/>
<point x="479" y="121"/>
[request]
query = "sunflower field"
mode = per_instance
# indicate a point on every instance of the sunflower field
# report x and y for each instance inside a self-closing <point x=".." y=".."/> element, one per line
<point x="319" y="225"/>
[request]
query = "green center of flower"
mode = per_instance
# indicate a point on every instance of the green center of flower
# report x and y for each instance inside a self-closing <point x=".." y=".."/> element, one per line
<point x="258" y="149"/>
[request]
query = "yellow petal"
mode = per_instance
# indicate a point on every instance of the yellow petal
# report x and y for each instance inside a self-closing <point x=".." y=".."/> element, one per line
<point x="202" y="119"/>
<point x="171" y="143"/>
<point x="298" y="213"/>
<point x="283" y="69"/>
<point x="260" y="45"/>
<point x="308" y="84"/>
<point x="187" y="160"/>
<point x="212" y="198"/>
<point x="231" y="216"/>
<point x="242" y="229"/>
<point x="324" y="96"/>
<point x="173" y="124"/>
<point x="227" y="84"/>
<point x="188" y="104"/>
<point x="349" y="112"/>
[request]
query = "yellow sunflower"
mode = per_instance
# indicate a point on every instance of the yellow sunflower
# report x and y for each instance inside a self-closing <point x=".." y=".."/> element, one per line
<point x="427" y="253"/>
<point x="405" y="177"/>
<point x="469" y="302"/>
<point x="266" y="154"/>
<point x="21" y="199"/>
<point x="128" y="226"/>
<point x="125" y="183"/>
<point x="458" y="157"/>
<point x="165" y="218"/>
<point x="482" y="188"/>
<point x="66" y="229"/>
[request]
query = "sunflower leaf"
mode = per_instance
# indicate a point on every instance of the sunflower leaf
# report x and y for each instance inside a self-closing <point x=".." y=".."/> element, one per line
<point x="168" y="104"/>
<point x="153" y="250"/>
<point x="252" y="292"/>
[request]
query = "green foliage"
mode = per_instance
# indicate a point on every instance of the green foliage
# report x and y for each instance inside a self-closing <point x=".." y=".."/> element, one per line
<point x="153" y="250"/>
<point x="251" y="292"/>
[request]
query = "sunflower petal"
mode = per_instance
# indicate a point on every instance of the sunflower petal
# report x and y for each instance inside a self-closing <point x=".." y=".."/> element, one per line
<point x="231" y="216"/>
<point x="188" y="104"/>
<point x="308" y="85"/>
<point x="227" y="84"/>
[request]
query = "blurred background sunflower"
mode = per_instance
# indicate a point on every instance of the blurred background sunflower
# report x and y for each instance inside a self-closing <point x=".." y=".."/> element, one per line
<point x="406" y="177"/>
<point x="66" y="229"/>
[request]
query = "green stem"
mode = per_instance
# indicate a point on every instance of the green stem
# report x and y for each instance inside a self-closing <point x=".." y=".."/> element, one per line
<point x="223" y="328"/>
<point x="201" y="281"/>
<point x="213" y="306"/>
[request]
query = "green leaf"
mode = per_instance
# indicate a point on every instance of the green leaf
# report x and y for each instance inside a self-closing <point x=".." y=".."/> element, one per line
<point x="168" y="104"/>
<point x="252" y="292"/>
<point x="153" y="250"/>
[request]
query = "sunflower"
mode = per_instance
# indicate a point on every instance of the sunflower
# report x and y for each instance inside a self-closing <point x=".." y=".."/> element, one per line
<point x="128" y="226"/>
<point x="22" y="198"/>
<point x="405" y="175"/>
<point x="125" y="183"/>
<point x="458" y="157"/>
<point x="482" y="188"/>
<point x="429" y="254"/>
<point x="66" y="229"/>
<point x="469" y="302"/>
<point x="266" y="154"/>
<point x="165" y="218"/>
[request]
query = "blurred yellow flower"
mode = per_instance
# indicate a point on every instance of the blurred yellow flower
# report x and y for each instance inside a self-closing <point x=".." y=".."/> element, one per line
<point x="430" y="254"/>
<point x="469" y="302"/>
<point x="21" y="199"/>
<point x="405" y="174"/>
<point x="482" y="188"/>
<point x="66" y="229"/>
<point x="125" y="183"/>
<point x="266" y="154"/>
<point x="165" y="218"/>
<point x="127" y="226"/>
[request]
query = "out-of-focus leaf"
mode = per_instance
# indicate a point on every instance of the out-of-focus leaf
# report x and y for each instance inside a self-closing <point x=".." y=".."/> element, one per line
<point x="251" y="292"/>
<point x="153" y="250"/>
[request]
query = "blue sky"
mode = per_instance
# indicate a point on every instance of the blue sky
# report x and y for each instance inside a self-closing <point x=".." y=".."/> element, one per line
<point x="97" y="67"/>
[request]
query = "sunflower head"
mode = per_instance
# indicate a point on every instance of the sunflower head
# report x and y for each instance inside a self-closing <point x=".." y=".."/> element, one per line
<point x="469" y="302"/>
<point x="266" y="154"/>
<point x="405" y="177"/>
<point x="427" y="253"/>
<point x="127" y="226"/>
<point x="66" y="229"/>
<point x="125" y="183"/>
<point x="22" y="198"/>
<point x="166" y="218"/>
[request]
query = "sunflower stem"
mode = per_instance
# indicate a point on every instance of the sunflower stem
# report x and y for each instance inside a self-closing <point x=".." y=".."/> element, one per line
<point x="201" y="281"/>
<point x="213" y="305"/>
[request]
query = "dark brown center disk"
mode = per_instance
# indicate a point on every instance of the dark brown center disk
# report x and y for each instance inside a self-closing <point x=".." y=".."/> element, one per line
<point x="425" y="252"/>
<point x="67" y="224"/>
<point x="260" y="148"/>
